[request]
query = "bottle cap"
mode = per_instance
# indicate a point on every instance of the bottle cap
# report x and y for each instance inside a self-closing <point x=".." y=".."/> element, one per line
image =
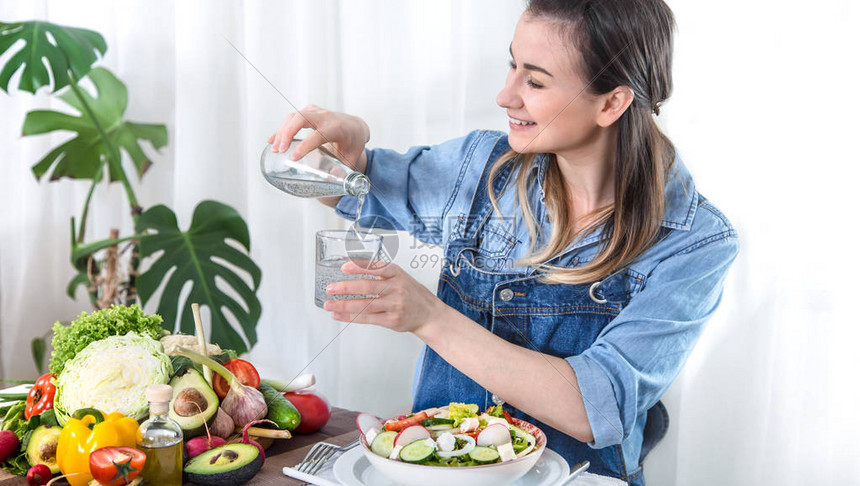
<point x="159" y="393"/>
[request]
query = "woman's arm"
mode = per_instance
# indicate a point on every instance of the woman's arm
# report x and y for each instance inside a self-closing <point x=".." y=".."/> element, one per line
<point x="544" y="386"/>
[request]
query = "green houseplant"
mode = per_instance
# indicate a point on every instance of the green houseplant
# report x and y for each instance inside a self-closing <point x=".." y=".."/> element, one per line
<point x="101" y="134"/>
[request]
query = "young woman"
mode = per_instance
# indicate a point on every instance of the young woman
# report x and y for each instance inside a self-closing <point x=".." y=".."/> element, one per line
<point x="581" y="262"/>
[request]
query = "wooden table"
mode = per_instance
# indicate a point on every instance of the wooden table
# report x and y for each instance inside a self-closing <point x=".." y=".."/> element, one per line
<point x="340" y="430"/>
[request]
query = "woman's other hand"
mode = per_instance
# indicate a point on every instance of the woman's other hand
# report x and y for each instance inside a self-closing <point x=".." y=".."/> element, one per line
<point x="402" y="305"/>
<point x="347" y="135"/>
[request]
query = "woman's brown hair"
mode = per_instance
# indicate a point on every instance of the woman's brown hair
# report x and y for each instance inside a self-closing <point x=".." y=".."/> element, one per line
<point x="621" y="43"/>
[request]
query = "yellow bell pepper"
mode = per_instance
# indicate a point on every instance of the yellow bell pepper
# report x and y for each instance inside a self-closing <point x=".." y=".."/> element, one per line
<point x="87" y="431"/>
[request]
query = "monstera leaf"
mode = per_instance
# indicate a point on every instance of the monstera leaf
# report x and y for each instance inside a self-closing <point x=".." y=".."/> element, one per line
<point x="83" y="156"/>
<point x="202" y="256"/>
<point x="67" y="49"/>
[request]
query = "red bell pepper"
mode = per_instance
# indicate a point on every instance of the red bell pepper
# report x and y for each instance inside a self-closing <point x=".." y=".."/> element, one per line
<point x="41" y="396"/>
<point x="399" y="425"/>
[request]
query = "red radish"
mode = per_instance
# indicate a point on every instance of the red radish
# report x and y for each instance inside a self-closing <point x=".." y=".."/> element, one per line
<point x="411" y="434"/>
<point x="495" y="435"/>
<point x="366" y="422"/>
<point x="246" y="440"/>
<point x="39" y="475"/>
<point x="9" y="444"/>
<point x="198" y="445"/>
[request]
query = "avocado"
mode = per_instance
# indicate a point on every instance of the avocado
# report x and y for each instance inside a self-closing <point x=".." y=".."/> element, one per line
<point x="226" y="465"/>
<point x="42" y="447"/>
<point x="194" y="404"/>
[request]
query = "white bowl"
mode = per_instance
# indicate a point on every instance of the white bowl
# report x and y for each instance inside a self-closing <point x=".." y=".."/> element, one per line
<point x="487" y="475"/>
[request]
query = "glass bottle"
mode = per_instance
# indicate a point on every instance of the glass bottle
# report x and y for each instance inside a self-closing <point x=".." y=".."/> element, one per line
<point x="317" y="174"/>
<point x="161" y="439"/>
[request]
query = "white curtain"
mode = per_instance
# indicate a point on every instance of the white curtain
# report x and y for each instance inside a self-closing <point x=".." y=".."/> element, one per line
<point x="764" y="114"/>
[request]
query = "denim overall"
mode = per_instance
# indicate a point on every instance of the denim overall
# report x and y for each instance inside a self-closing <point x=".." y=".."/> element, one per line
<point x="560" y="320"/>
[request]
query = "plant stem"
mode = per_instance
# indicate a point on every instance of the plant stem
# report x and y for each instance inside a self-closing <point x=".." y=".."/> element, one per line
<point x="112" y="150"/>
<point x="86" y="211"/>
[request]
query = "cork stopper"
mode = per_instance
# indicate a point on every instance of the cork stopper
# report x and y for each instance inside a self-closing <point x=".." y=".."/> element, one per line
<point x="159" y="397"/>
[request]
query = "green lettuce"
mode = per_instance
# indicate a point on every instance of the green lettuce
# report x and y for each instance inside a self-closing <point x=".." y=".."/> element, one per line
<point x="116" y="321"/>
<point x="112" y="375"/>
<point x="459" y="411"/>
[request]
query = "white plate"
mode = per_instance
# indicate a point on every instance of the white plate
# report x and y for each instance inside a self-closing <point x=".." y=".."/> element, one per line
<point x="353" y="469"/>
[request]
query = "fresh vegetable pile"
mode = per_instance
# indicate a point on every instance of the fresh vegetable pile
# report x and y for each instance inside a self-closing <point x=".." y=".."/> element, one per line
<point x="453" y="435"/>
<point x="82" y="419"/>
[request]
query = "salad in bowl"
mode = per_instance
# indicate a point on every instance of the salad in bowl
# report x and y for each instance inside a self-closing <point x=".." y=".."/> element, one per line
<point x="454" y="444"/>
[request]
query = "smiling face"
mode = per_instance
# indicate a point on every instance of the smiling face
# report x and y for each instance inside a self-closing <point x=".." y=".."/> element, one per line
<point x="548" y="107"/>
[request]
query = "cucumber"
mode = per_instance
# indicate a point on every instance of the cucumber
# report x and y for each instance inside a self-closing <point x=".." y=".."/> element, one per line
<point x="383" y="444"/>
<point x="281" y="411"/>
<point x="417" y="451"/>
<point x="430" y="422"/>
<point x="484" y="455"/>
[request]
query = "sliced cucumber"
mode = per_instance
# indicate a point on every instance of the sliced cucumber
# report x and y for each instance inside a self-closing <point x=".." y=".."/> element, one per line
<point x="418" y="451"/>
<point x="383" y="444"/>
<point x="432" y="421"/>
<point x="484" y="455"/>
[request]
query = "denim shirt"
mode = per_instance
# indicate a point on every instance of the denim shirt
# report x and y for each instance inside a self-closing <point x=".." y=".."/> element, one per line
<point x="671" y="290"/>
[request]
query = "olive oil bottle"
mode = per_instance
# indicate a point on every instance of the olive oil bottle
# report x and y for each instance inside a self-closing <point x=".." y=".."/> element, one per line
<point x="160" y="438"/>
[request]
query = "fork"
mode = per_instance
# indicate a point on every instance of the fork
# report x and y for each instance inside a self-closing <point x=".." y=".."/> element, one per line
<point x="319" y="454"/>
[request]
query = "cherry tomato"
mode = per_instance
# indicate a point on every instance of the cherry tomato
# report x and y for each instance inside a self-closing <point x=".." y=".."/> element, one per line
<point x="402" y="424"/>
<point x="115" y="466"/>
<point x="244" y="371"/>
<point x="313" y="408"/>
<point x="40" y="398"/>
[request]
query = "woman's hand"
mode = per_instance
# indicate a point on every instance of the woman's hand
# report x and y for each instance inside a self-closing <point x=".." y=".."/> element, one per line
<point x="346" y="133"/>
<point x="402" y="304"/>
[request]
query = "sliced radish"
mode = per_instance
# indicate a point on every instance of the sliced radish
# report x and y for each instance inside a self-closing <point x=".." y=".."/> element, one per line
<point x="367" y="422"/>
<point x="470" y="444"/>
<point x="494" y="435"/>
<point x="411" y="434"/>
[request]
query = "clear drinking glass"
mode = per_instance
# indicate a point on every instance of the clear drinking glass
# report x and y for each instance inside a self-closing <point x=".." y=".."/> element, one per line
<point x="317" y="174"/>
<point x="336" y="247"/>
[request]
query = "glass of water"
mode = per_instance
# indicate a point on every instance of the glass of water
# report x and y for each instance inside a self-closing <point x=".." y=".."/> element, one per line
<point x="336" y="247"/>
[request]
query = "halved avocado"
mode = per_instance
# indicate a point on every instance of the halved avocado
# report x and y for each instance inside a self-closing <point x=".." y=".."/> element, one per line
<point x="226" y="465"/>
<point x="42" y="448"/>
<point x="194" y="403"/>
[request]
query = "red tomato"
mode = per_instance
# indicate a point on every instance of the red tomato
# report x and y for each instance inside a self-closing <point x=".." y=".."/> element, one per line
<point x="115" y="466"/>
<point x="312" y="407"/>
<point x="401" y="424"/>
<point x="244" y="371"/>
